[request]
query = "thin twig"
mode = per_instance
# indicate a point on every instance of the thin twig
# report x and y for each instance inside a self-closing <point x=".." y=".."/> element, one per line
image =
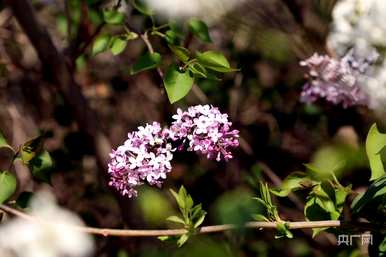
<point x="203" y="230"/>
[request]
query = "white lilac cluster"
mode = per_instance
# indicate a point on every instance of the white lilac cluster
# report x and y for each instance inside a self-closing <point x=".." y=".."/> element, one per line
<point x="360" y="24"/>
<point x="43" y="237"/>
<point x="146" y="154"/>
<point x="337" y="81"/>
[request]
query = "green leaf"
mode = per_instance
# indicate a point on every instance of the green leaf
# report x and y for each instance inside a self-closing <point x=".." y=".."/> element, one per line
<point x="118" y="45"/>
<point x="375" y="142"/>
<point x="180" y="52"/>
<point x="295" y="181"/>
<point x="182" y="240"/>
<point x="141" y="7"/>
<point x="31" y="148"/>
<point x="113" y="17"/>
<point x="215" y="61"/>
<point x="367" y="203"/>
<point x="180" y="201"/>
<point x="282" y="229"/>
<point x="146" y="62"/>
<point x="260" y="217"/>
<point x="4" y="144"/>
<point x="177" y="83"/>
<point x="199" y="29"/>
<point x="41" y="167"/>
<point x="200" y="220"/>
<point x="176" y="219"/>
<point x="198" y="70"/>
<point x="172" y="37"/>
<point x="101" y="43"/>
<point x="7" y="185"/>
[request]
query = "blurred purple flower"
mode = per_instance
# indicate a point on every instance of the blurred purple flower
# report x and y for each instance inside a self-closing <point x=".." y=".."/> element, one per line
<point x="336" y="80"/>
<point x="204" y="129"/>
<point x="145" y="156"/>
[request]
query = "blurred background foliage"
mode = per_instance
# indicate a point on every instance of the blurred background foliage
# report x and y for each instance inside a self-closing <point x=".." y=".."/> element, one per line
<point x="265" y="39"/>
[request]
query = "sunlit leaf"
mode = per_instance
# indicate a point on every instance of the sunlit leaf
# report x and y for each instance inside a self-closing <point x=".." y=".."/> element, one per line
<point x="215" y="61"/>
<point x="7" y="185"/>
<point x="375" y="142"/>
<point x="198" y="70"/>
<point x="141" y="7"/>
<point x="293" y="182"/>
<point x="31" y="148"/>
<point x="101" y="43"/>
<point x="176" y="219"/>
<point x="113" y="17"/>
<point x="177" y="83"/>
<point x="118" y="45"/>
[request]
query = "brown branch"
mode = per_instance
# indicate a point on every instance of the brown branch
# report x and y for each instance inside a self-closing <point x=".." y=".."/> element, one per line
<point x="203" y="230"/>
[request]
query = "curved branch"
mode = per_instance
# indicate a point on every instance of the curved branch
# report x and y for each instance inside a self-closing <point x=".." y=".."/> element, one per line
<point x="203" y="230"/>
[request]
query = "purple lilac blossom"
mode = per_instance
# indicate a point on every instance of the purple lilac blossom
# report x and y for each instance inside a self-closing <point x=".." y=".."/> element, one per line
<point x="336" y="80"/>
<point x="145" y="156"/>
<point x="204" y="129"/>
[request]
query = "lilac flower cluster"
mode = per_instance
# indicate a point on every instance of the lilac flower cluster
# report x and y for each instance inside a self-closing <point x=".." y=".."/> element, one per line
<point x="146" y="154"/>
<point x="204" y="129"/>
<point x="337" y="81"/>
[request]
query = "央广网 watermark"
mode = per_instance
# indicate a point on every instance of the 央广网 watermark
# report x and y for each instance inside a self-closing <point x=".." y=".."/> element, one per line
<point x="344" y="239"/>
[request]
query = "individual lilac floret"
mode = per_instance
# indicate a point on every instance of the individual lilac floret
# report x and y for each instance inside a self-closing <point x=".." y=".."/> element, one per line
<point x="145" y="156"/>
<point x="336" y="80"/>
<point x="204" y="129"/>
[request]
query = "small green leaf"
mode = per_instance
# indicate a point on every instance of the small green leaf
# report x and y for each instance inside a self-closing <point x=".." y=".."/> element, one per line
<point x="141" y="7"/>
<point x="295" y="181"/>
<point x="283" y="230"/>
<point x="31" y="148"/>
<point x="176" y="219"/>
<point x="180" y="201"/>
<point x="146" y="62"/>
<point x="100" y="44"/>
<point x="4" y="144"/>
<point x="375" y="142"/>
<point x="199" y="29"/>
<point x="41" y="167"/>
<point x="177" y="83"/>
<point x="215" y="61"/>
<point x="200" y="221"/>
<point x="182" y="240"/>
<point x="118" y="45"/>
<point x="180" y="52"/>
<point x="172" y="37"/>
<point x="198" y="70"/>
<point x="260" y="217"/>
<point x="113" y="17"/>
<point x="131" y="35"/>
<point x="7" y="185"/>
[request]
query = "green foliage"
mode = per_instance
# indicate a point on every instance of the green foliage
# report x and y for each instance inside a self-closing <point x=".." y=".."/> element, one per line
<point x="270" y="212"/>
<point x="118" y="45"/>
<point x="141" y="7"/>
<point x="199" y="29"/>
<point x="180" y="52"/>
<point x="295" y="181"/>
<point x="41" y="167"/>
<point x="375" y="142"/>
<point x="177" y="83"/>
<point x="192" y="216"/>
<point x="30" y="149"/>
<point x="146" y="62"/>
<point x="372" y="204"/>
<point x="214" y="61"/>
<point x="325" y="202"/>
<point x="101" y="43"/>
<point x="113" y="17"/>
<point x="7" y="185"/>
